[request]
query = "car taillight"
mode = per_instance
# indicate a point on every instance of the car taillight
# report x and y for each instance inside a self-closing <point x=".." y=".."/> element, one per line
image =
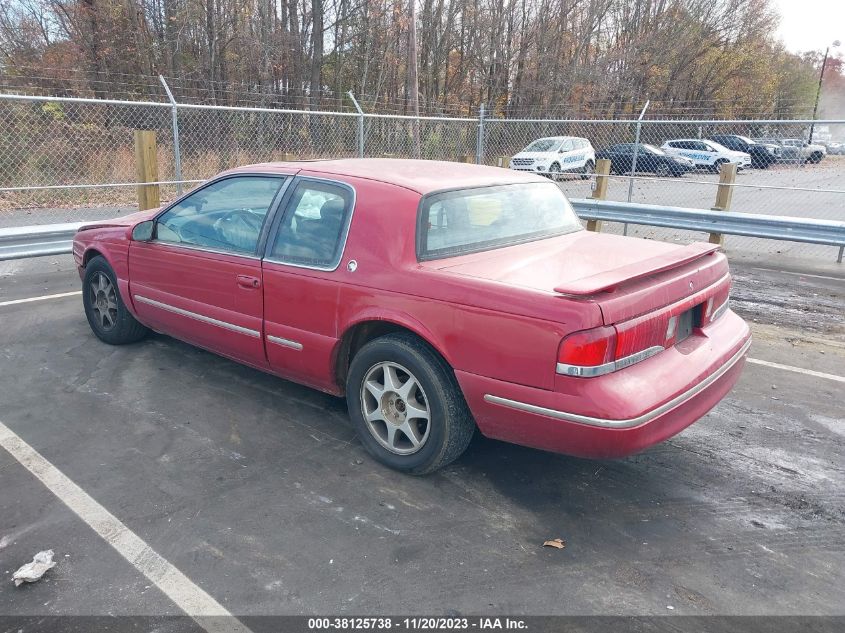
<point x="587" y="348"/>
<point x="602" y="350"/>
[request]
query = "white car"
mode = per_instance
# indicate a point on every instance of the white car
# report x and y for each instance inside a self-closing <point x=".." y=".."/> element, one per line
<point x="707" y="154"/>
<point x="808" y="152"/>
<point x="556" y="155"/>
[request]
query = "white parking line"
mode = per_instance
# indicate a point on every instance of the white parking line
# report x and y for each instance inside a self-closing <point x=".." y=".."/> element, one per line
<point x="789" y="272"/>
<point x="13" y="302"/>
<point x="189" y="597"/>
<point x="797" y="370"/>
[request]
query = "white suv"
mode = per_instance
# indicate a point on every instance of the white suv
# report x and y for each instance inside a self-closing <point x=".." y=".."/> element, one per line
<point x="707" y="154"/>
<point x="556" y="155"/>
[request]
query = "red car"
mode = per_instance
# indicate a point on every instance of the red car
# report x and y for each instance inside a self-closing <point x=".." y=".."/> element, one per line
<point x="437" y="297"/>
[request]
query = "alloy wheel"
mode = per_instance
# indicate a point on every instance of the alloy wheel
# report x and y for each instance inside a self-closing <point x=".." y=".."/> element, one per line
<point x="103" y="299"/>
<point x="395" y="408"/>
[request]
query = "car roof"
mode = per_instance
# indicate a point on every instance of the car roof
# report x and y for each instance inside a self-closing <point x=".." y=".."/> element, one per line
<point x="557" y="138"/>
<point x="422" y="176"/>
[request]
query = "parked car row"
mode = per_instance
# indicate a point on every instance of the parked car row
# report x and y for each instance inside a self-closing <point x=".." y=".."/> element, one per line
<point x="798" y="150"/>
<point x="553" y="156"/>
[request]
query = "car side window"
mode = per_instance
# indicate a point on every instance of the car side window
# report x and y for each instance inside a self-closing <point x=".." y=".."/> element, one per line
<point x="224" y="216"/>
<point x="566" y="146"/>
<point x="314" y="225"/>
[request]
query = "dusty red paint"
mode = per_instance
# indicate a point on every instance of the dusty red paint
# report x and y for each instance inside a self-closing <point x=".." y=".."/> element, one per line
<point x="497" y="317"/>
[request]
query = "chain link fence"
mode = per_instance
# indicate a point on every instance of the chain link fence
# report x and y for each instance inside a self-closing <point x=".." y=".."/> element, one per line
<point x="66" y="159"/>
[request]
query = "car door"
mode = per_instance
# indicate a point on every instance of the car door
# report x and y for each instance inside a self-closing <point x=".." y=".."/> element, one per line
<point x="572" y="157"/>
<point x="199" y="279"/>
<point x="623" y="158"/>
<point x="300" y="275"/>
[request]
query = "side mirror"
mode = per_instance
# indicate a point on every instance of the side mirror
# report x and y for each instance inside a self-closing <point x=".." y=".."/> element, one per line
<point x="143" y="231"/>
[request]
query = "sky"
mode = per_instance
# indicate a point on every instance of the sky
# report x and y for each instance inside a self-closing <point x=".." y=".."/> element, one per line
<point x="811" y="24"/>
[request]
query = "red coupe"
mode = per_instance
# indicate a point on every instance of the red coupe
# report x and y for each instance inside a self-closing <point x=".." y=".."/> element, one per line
<point x="437" y="297"/>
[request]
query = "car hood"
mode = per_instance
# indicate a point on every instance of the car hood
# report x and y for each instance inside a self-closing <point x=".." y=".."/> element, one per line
<point x="123" y="221"/>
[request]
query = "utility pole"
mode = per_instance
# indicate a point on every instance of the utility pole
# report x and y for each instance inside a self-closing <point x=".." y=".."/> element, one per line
<point x="819" y="89"/>
<point x="413" y="77"/>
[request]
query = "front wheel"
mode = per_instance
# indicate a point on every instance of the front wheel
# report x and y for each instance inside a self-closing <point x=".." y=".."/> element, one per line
<point x="588" y="170"/>
<point x="107" y="315"/>
<point x="406" y="406"/>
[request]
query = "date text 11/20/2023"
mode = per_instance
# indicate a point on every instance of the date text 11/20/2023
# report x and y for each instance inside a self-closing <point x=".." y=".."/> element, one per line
<point x="417" y="623"/>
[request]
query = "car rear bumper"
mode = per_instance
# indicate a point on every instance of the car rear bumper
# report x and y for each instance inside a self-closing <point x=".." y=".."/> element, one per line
<point x="567" y="423"/>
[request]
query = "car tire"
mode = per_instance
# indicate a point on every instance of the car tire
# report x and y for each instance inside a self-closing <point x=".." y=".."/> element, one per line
<point x="421" y="381"/>
<point x="588" y="170"/>
<point x="105" y="310"/>
<point x="717" y="166"/>
<point x="554" y="171"/>
<point x="816" y="158"/>
<point x="662" y="170"/>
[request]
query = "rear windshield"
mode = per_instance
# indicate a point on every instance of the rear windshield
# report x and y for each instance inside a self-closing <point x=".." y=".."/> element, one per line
<point x="470" y="220"/>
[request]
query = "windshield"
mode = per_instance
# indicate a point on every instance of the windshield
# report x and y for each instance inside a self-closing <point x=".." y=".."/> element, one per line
<point x="543" y="145"/>
<point x="654" y="150"/>
<point x="470" y="220"/>
<point x="745" y="139"/>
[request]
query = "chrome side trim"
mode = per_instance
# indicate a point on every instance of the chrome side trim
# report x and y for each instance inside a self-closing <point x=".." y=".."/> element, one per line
<point x="199" y="317"/>
<point x="589" y="371"/>
<point x="623" y="424"/>
<point x="284" y="342"/>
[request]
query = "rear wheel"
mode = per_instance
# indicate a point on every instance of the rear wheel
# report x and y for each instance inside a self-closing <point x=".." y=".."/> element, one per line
<point x="406" y="406"/>
<point x="107" y="315"/>
<point x="717" y="166"/>
<point x="662" y="170"/>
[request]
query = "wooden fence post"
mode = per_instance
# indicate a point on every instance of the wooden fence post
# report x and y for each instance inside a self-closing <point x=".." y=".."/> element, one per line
<point x="503" y="161"/>
<point x="600" y="189"/>
<point x="146" y="168"/>
<point x="724" y="193"/>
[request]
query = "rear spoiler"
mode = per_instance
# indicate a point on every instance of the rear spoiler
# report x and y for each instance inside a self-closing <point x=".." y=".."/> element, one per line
<point x="608" y="280"/>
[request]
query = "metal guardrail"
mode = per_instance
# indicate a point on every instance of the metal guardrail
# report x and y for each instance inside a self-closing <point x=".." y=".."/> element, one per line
<point x="55" y="239"/>
<point x="36" y="241"/>
<point x="771" y="227"/>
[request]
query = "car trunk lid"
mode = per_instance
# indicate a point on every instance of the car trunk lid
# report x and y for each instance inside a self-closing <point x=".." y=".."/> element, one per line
<point x="626" y="277"/>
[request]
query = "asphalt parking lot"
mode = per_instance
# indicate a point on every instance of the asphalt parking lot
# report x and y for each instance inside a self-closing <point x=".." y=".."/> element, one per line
<point x="258" y="492"/>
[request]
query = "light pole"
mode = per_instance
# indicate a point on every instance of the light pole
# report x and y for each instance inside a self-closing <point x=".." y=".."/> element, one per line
<point x="819" y="89"/>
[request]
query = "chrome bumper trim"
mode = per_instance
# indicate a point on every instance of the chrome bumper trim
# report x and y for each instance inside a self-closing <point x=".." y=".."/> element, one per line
<point x="590" y="371"/>
<point x="284" y="342"/>
<point x="624" y="424"/>
<point x="198" y="317"/>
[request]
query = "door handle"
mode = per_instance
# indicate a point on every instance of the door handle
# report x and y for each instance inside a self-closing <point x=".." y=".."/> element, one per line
<point x="245" y="281"/>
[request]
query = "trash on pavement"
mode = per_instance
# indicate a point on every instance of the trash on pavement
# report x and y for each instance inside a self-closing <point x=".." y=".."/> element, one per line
<point x="32" y="572"/>
<point x="555" y="542"/>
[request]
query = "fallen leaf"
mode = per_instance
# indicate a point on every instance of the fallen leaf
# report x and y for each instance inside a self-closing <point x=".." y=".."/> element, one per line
<point x="555" y="542"/>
